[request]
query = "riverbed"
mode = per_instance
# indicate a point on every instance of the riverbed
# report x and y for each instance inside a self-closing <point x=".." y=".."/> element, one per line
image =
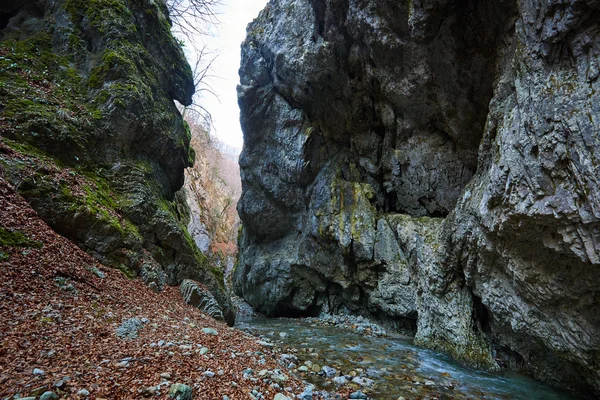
<point x="391" y="365"/>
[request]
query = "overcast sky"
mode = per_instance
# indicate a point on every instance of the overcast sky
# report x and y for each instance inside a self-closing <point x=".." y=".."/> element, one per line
<point x="225" y="41"/>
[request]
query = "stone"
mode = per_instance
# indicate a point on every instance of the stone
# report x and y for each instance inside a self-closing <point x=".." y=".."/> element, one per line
<point x="340" y="380"/>
<point x="328" y="371"/>
<point x="38" y="372"/>
<point x="83" y="392"/>
<point x="358" y="395"/>
<point x="281" y="396"/>
<point x="165" y="375"/>
<point x="179" y="391"/>
<point x="129" y="329"/>
<point x="210" y="331"/>
<point x="203" y="351"/>
<point x="366" y="382"/>
<point x="208" y="374"/>
<point x="200" y="297"/>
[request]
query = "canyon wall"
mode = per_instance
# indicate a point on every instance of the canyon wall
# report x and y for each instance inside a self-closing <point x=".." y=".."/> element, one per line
<point x="92" y="138"/>
<point x="431" y="164"/>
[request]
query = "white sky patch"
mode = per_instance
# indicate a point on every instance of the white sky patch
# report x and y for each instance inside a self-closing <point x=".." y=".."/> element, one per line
<point x="224" y="43"/>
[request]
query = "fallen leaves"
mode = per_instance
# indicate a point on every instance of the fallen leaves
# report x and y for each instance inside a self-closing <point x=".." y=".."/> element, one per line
<point x="59" y="315"/>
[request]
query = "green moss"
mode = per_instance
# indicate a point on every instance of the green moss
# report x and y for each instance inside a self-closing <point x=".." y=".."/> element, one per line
<point x="191" y="158"/>
<point x="43" y="99"/>
<point x="129" y="273"/>
<point x="16" y="239"/>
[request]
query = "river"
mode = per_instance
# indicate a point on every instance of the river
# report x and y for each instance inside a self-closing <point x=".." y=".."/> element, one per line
<point x="396" y="366"/>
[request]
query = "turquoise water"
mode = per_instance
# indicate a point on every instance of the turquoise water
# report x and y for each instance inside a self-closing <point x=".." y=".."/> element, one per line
<point x="397" y="367"/>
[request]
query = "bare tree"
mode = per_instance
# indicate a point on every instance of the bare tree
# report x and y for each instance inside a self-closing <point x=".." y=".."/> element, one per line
<point x="193" y="17"/>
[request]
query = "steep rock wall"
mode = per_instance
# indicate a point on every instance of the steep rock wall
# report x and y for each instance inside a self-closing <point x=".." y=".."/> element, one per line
<point x="91" y="136"/>
<point x="431" y="164"/>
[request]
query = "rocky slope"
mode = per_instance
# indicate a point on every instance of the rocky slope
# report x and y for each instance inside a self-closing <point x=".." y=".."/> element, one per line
<point x="432" y="164"/>
<point x="91" y="136"/>
<point x="82" y="330"/>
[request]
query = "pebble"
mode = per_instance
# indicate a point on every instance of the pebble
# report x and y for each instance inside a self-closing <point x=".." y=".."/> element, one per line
<point x="279" y="378"/>
<point x="340" y="380"/>
<point x="281" y="396"/>
<point x="38" y="372"/>
<point x="303" y="368"/>
<point x="363" y="381"/>
<point x="358" y="395"/>
<point x="208" y="374"/>
<point x="210" y="331"/>
<point x="165" y="375"/>
<point x="60" y="384"/>
<point x="307" y="394"/>
<point x="83" y="392"/>
<point x="203" y="351"/>
<point x="49" y="396"/>
<point x="161" y="343"/>
<point x="315" y="368"/>
<point x="328" y="371"/>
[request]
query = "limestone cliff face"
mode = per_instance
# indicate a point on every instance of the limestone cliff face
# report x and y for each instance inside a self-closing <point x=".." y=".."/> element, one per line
<point x="432" y="164"/>
<point x="91" y="136"/>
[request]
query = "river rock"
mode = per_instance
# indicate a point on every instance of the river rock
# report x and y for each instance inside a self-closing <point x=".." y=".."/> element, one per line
<point x="452" y="193"/>
<point x="358" y="395"/>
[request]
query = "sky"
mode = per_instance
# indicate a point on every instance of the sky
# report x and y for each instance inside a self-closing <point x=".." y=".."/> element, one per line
<point x="224" y="42"/>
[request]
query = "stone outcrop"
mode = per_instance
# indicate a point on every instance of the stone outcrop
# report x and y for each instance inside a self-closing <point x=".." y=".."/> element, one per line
<point x="431" y="164"/>
<point x="200" y="297"/>
<point x="91" y="136"/>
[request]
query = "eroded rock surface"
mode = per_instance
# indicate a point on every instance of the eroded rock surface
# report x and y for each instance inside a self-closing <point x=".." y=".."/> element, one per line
<point x="431" y="164"/>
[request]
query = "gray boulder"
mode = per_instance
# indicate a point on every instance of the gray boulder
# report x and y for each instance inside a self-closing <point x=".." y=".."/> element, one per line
<point x="200" y="297"/>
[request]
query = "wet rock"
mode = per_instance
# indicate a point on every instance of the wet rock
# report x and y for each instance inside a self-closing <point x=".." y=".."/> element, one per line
<point x="328" y="371"/>
<point x="340" y="380"/>
<point x="366" y="382"/>
<point x="358" y="395"/>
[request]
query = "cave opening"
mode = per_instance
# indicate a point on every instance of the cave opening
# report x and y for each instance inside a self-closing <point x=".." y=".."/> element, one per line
<point x="481" y="314"/>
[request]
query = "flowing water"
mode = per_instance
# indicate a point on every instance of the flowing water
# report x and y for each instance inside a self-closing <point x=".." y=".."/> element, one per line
<point x="398" y="367"/>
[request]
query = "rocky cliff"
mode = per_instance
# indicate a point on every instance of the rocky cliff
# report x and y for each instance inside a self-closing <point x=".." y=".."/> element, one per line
<point x="432" y="164"/>
<point x="91" y="136"/>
